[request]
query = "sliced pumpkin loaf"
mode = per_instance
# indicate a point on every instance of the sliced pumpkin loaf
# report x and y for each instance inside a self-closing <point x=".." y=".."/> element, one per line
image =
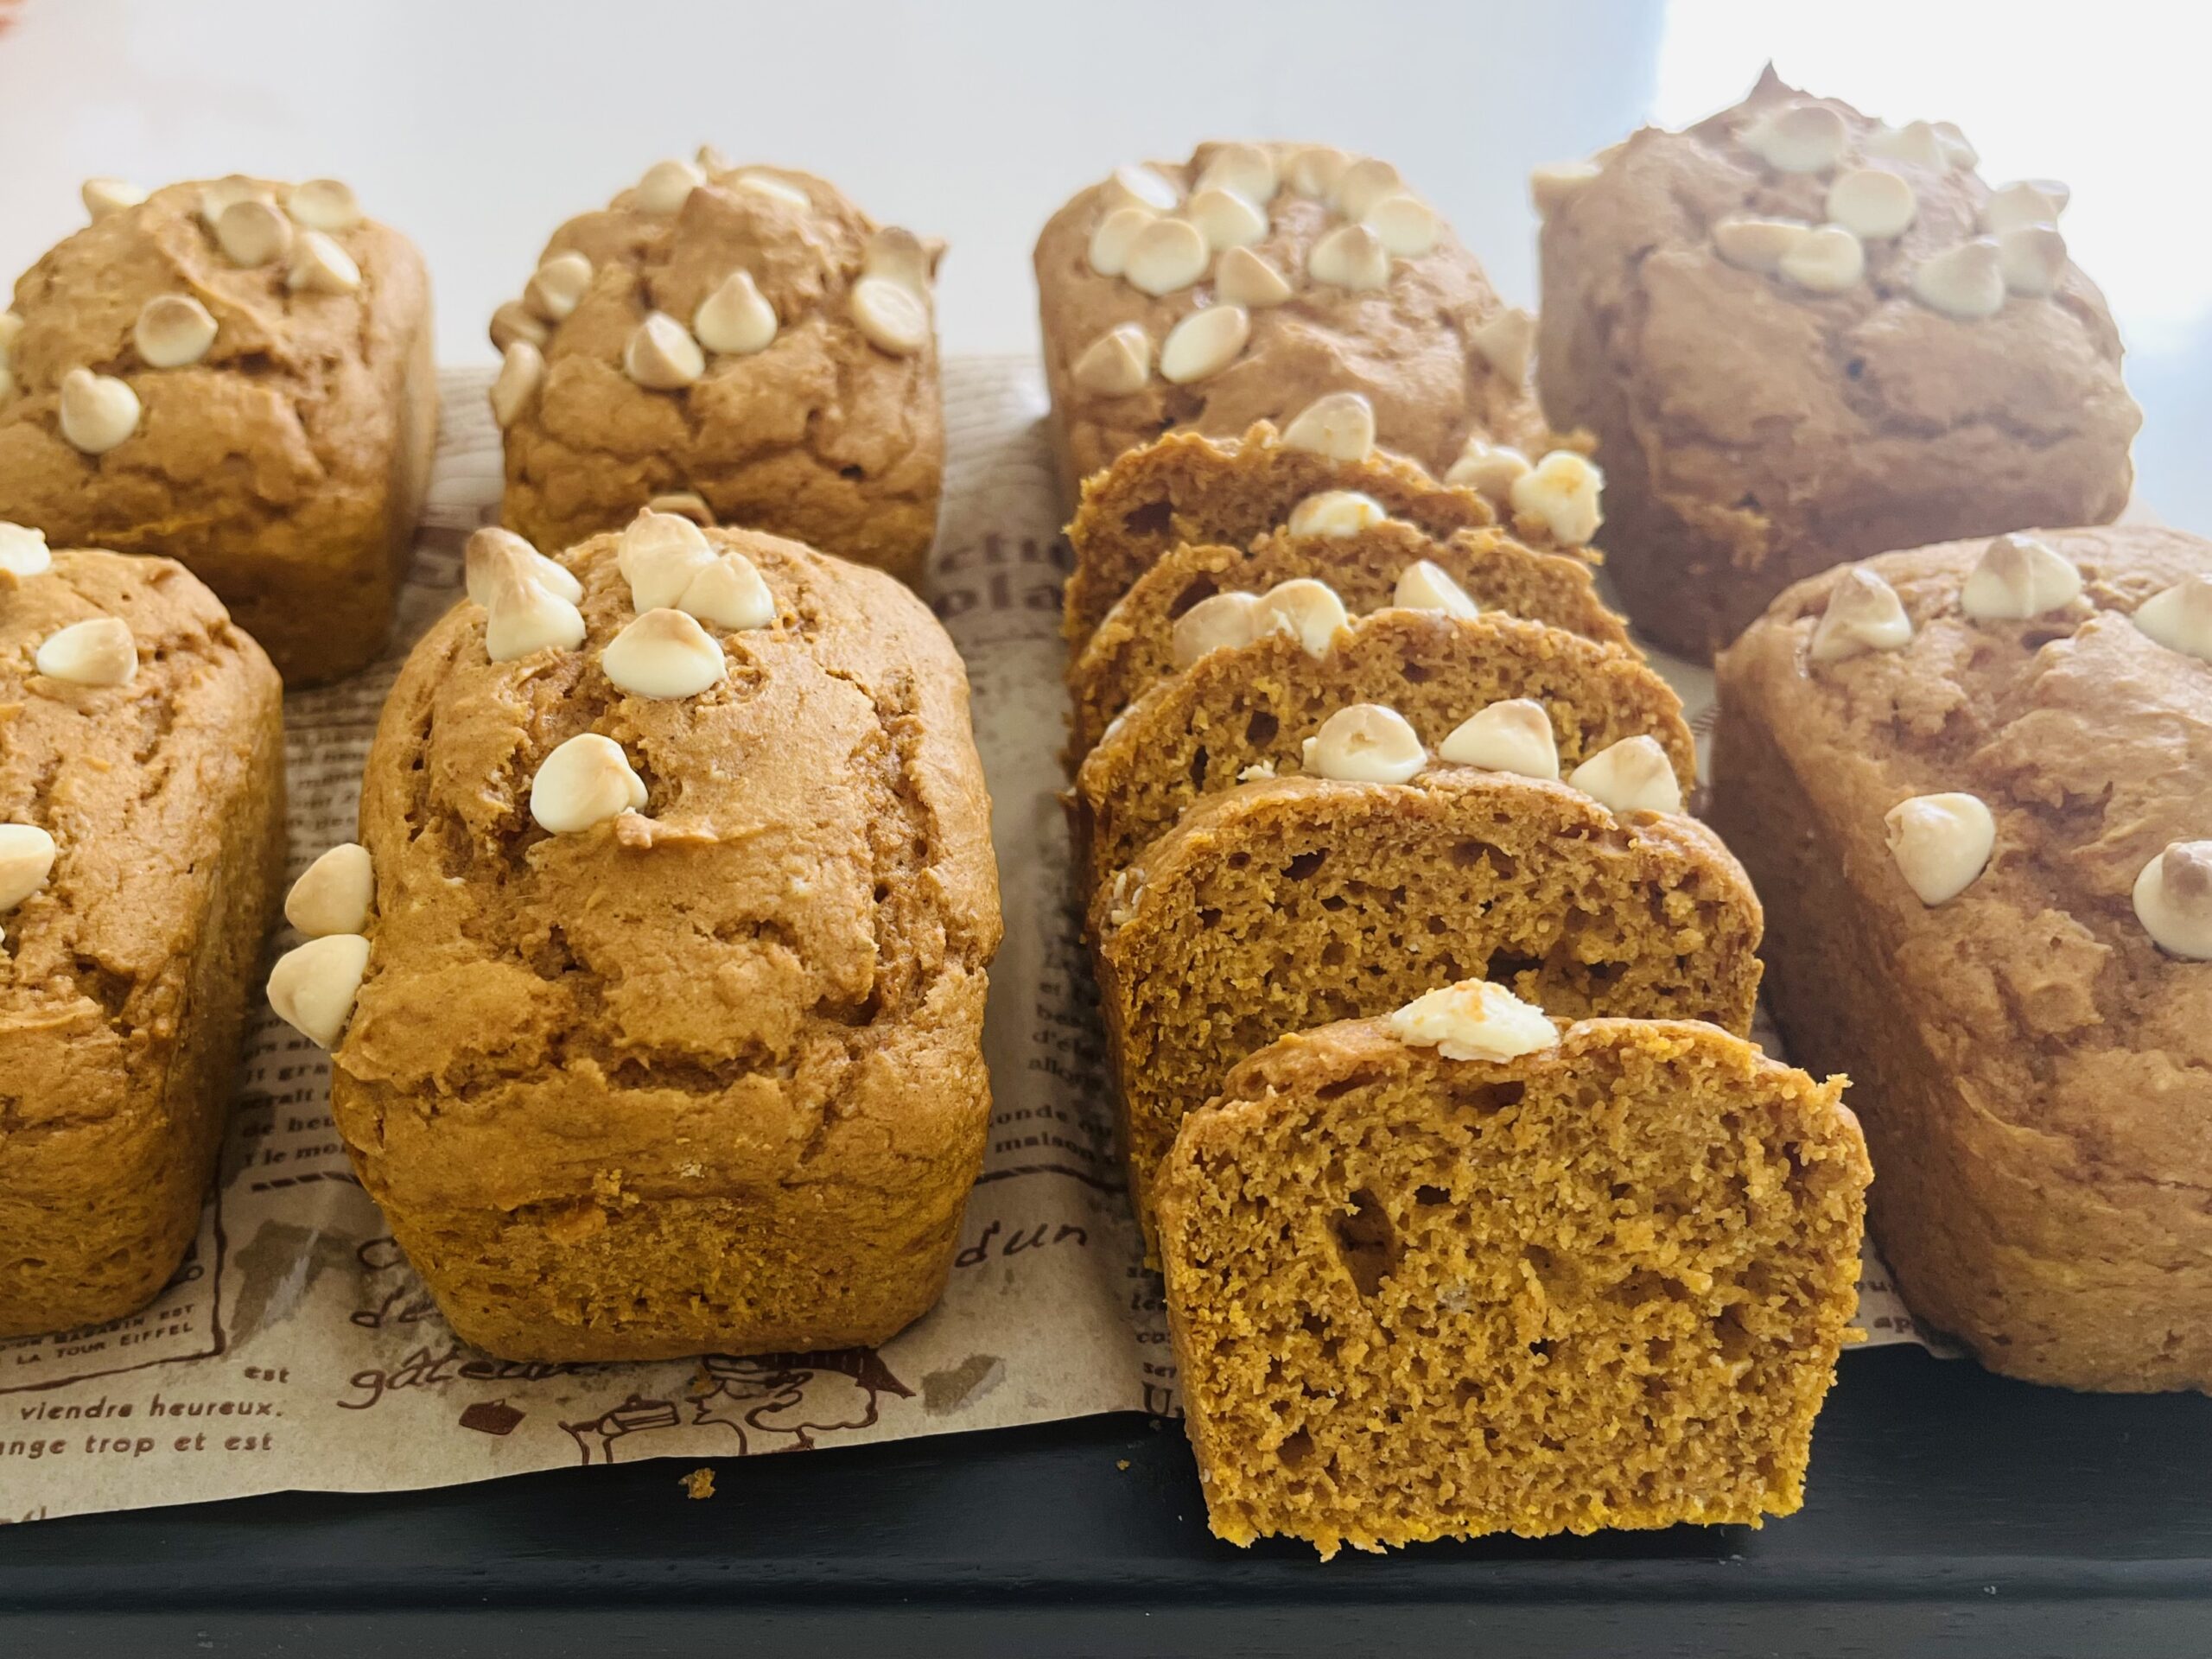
<point x="1464" y="1270"/>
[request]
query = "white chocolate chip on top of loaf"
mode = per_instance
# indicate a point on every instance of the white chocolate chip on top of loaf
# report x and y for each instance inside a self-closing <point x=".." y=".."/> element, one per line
<point x="1552" y="185"/>
<point x="524" y="616"/>
<point x="1115" y="236"/>
<point x="1243" y="277"/>
<point x="1425" y="585"/>
<point x="1940" y="842"/>
<point x="665" y="187"/>
<point x="891" y="315"/>
<point x="1751" y="242"/>
<point x="334" y="893"/>
<point x="1314" y="169"/>
<point x="104" y="196"/>
<point x="251" y="232"/>
<point x="1363" y="183"/>
<point x="1489" y="468"/>
<point x="1366" y="743"/>
<point x="1797" y="138"/>
<point x="323" y="204"/>
<point x="320" y="266"/>
<point x="2173" y="900"/>
<point x="1339" y="424"/>
<point x="664" y="653"/>
<point x="99" y="650"/>
<point x="1966" y="281"/>
<point x="736" y="319"/>
<point x="660" y="354"/>
<point x="772" y="189"/>
<point x="730" y="594"/>
<point x="98" y="411"/>
<point x="1350" y="256"/>
<point x="558" y="285"/>
<point x="1167" y="255"/>
<point x="2180" y="617"/>
<point x="490" y="549"/>
<point x="1132" y="185"/>
<point x="1872" y="202"/>
<point x="1561" y="493"/>
<point x="313" y="989"/>
<point x="586" y="781"/>
<point x="511" y="321"/>
<point x="1204" y="344"/>
<point x="216" y="198"/>
<point x="898" y="255"/>
<point x="521" y="377"/>
<point x="1336" y="514"/>
<point x="1633" y="775"/>
<point x="23" y="551"/>
<point x="1827" y="260"/>
<point x="2031" y="259"/>
<point x="1245" y="168"/>
<point x="1474" y="1019"/>
<point x="659" y="556"/>
<point x="2018" y="577"/>
<point x="1225" y="218"/>
<point x="1508" y="342"/>
<point x="2028" y="202"/>
<point x="1407" y="226"/>
<point x="1515" y="735"/>
<point x="1915" y="142"/>
<point x="25" y="859"/>
<point x="172" y="331"/>
<point x="1304" y="607"/>
<point x="1864" y="614"/>
<point x="1216" y="622"/>
<point x="1118" y="363"/>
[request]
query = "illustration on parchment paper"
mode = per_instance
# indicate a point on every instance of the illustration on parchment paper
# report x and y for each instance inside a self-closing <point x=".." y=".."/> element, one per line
<point x="768" y="1402"/>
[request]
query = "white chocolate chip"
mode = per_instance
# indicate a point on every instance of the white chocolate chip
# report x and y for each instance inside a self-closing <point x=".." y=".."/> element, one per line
<point x="666" y="187"/>
<point x="522" y="372"/>
<point x="1352" y="256"/>
<point x="660" y="354"/>
<point x="1336" y="514"/>
<point x="1752" y="244"/>
<point x="1872" y="203"/>
<point x="1966" y="281"/>
<point x="23" y="551"/>
<point x="1474" y="1021"/>
<point x="731" y="594"/>
<point x="901" y="256"/>
<point x="1218" y="621"/>
<point x="2031" y="259"/>
<point x="1242" y="277"/>
<point x="558" y="285"/>
<point x="512" y="322"/>
<point x="1366" y="743"/>
<point x="1363" y="183"/>
<point x="1491" y="468"/>
<point x="1864" y="614"/>
<point x="1115" y="364"/>
<point x="1340" y="425"/>
<point x="1314" y="171"/>
<point x="736" y="319"/>
<point x="323" y="204"/>
<point x="1246" y="169"/>
<point x="2173" y="900"/>
<point x="664" y="653"/>
<point x="98" y="411"/>
<point x="1204" y="344"/>
<point x="1508" y="342"/>
<point x="105" y="196"/>
<point x="1553" y="184"/>
<point x="775" y="189"/>
<point x="216" y="198"/>
<point x="1425" y="585"/>
<point x="25" y="859"/>
<point x="711" y="159"/>
<point x="1957" y="153"/>
<point x="524" y="616"/>
<point x="1167" y="255"/>
<point x="2180" y="617"/>
<point x="658" y="556"/>
<point x="1307" y="609"/>
<point x="1941" y="843"/>
<point x="2018" y="577"/>
<point x="172" y="330"/>
<point x="1408" y="225"/>
<point x="313" y="988"/>
<point x="320" y="266"/>
<point x="1561" y="492"/>
<point x="1513" y="736"/>
<point x="1141" y="186"/>
<point x="1633" y="775"/>
<point x="684" y="504"/>
<point x="1798" y="138"/>
<point x="892" y="317"/>
<point x="1827" y="261"/>
<point x="491" y="549"/>
<point x="1915" y="142"/>
<point x="586" y="781"/>
<point x="99" y="650"/>
<point x="1225" y="218"/>
<point x="1115" y="235"/>
<point x="2022" y="204"/>
<point x="334" y="893"/>
<point x="252" y="232"/>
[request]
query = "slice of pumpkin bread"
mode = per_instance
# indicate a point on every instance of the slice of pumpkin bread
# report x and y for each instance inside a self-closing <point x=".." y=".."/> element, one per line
<point x="1282" y="905"/>
<point x="1462" y="1271"/>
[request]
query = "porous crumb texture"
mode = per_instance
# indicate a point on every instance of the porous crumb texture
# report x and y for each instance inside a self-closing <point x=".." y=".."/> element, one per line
<point x="2035" y="1074"/>
<point x="1199" y="733"/>
<point x="1602" y="1285"/>
<point x="1187" y="489"/>
<point x="1133" y="645"/>
<point x="1408" y="346"/>
<point x="821" y="436"/>
<point x="707" y="1078"/>
<point x="1280" y="906"/>
<point x="1753" y="432"/>
<point x="124" y="979"/>
<point x="286" y="468"/>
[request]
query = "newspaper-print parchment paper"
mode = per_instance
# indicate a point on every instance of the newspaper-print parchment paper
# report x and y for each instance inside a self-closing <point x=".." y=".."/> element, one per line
<point x="297" y="1349"/>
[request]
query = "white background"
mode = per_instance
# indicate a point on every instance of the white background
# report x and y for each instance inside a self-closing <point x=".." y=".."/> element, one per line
<point x="477" y="126"/>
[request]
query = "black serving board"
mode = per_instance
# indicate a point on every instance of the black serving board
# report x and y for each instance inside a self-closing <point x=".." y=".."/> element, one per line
<point x="1951" y="1512"/>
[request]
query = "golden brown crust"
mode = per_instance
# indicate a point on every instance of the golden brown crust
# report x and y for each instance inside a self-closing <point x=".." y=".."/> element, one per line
<point x="821" y="436"/>
<point x="124" y="980"/>
<point x="1602" y="1285"/>
<point x="708" y="1078"/>
<point x="1753" y="432"/>
<point x="285" y="468"/>
<point x="2031" y="1067"/>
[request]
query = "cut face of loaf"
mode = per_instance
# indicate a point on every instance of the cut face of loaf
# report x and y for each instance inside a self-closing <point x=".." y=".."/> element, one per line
<point x="1200" y="732"/>
<point x="1280" y="906"/>
<point x="1183" y="487"/>
<point x="1600" y="1285"/>
<point x="1133" y="645"/>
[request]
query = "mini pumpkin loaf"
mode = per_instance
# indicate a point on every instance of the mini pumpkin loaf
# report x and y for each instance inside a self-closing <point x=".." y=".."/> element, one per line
<point x="236" y="375"/>
<point x="1286" y="904"/>
<point x="142" y="844"/>
<point x="1486" y="690"/>
<point x="1460" y="1270"/>
<point x="1144" y="637"/>
<point x="1189" y="488"/>
<point x="661" y="1033"/>
<point x="739" y="344"/>
<point x="1974" y="783"/>
<point x="1240" y="285"/>
<point x="1802" y="336"/>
